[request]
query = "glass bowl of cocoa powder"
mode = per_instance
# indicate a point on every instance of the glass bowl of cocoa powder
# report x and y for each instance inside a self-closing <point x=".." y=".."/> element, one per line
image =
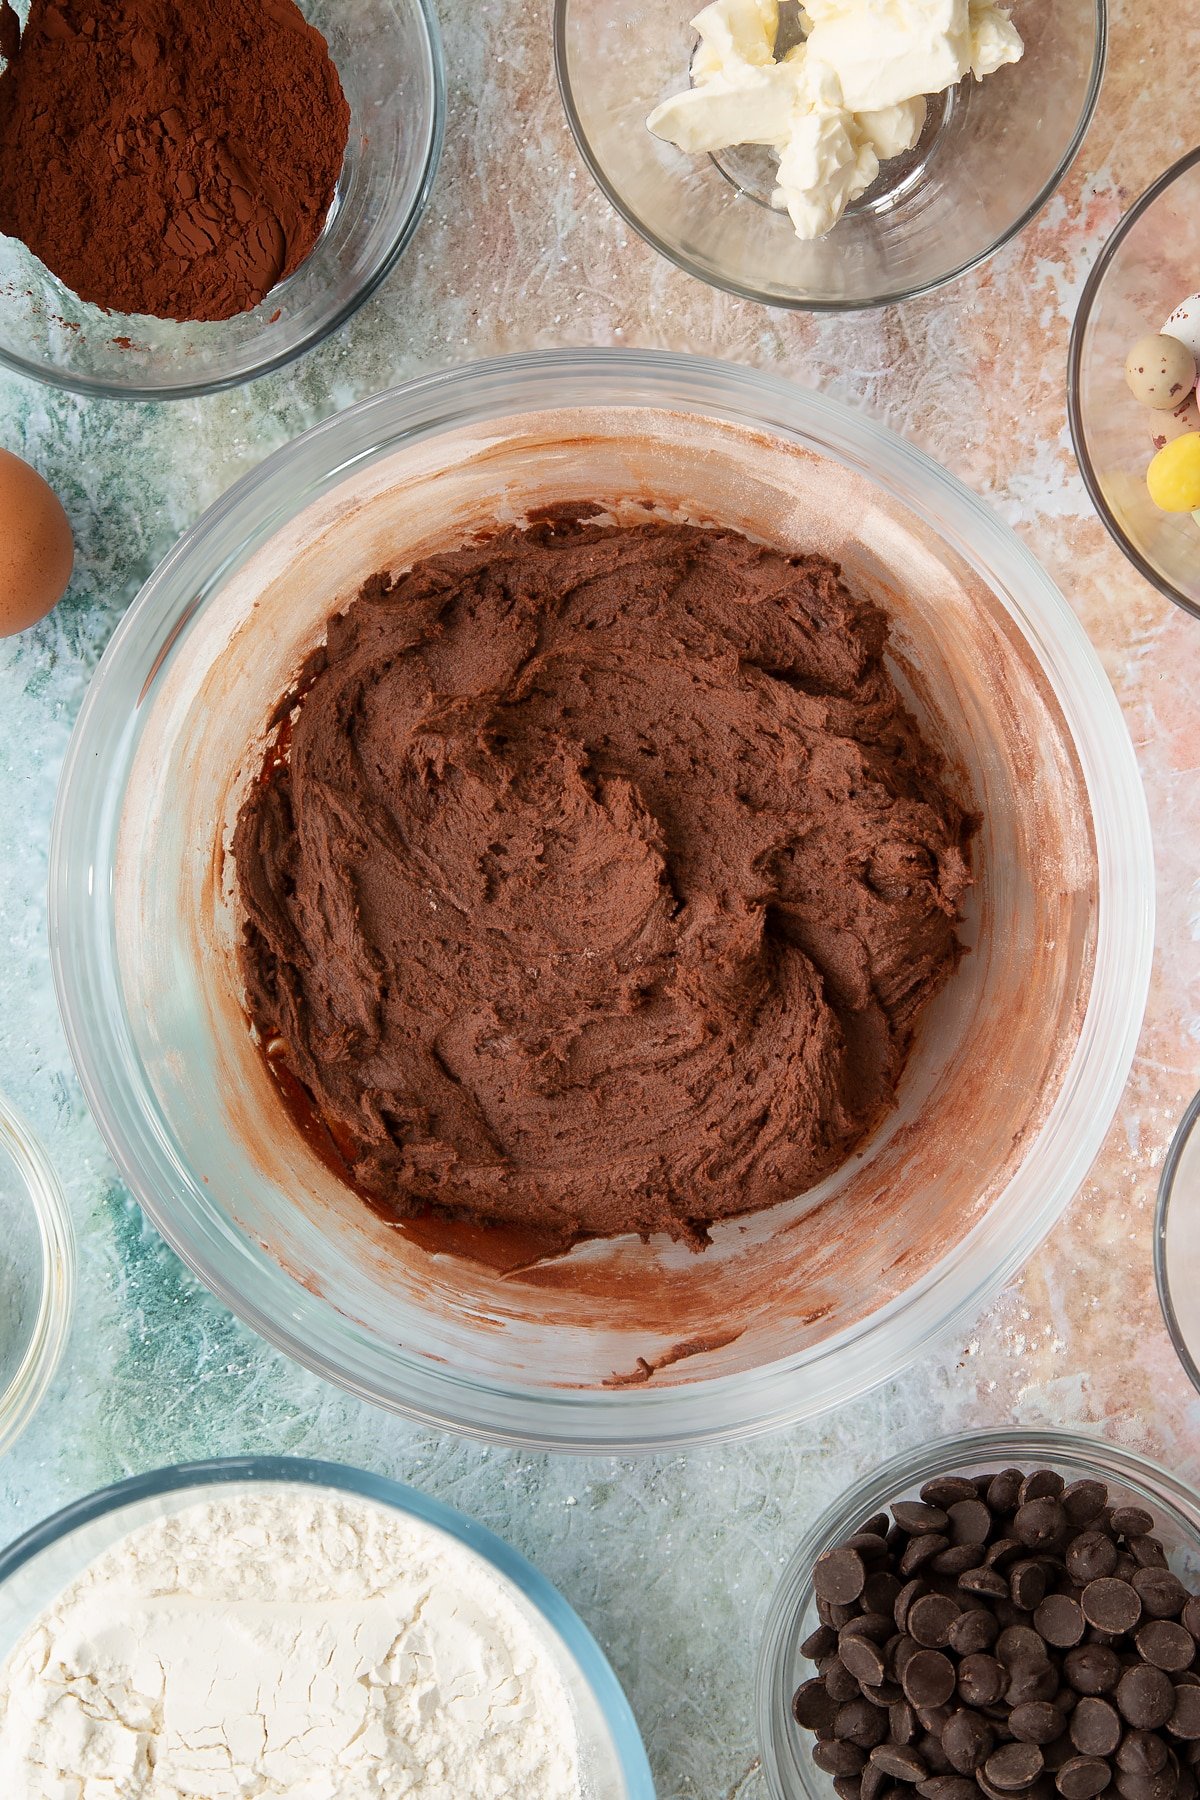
<point x="228" y="233"/>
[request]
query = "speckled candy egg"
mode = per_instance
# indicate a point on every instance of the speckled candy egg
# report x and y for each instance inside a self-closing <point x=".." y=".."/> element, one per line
<point x="36" y="547"/>
<point x="1184" y="324"/>
<point x="1174" y="476"/>
<point x="1165" y="427"/>
<point x="1161" y="372"/>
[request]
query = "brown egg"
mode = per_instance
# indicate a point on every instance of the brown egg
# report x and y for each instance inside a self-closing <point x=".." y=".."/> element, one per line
<point x="36" y="547"/>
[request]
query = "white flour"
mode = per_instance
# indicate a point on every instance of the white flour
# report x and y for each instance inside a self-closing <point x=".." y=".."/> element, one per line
<point x="282" y="1642"/>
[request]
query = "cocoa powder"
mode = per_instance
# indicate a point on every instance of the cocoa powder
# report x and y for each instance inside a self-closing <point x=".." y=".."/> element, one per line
<point x="170" y="157"/>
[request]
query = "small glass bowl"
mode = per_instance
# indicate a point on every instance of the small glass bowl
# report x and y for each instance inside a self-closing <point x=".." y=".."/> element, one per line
<point x="36" y="1568"/>
<point x="1177" y="1241"/>
<point x="992" y="154"/>
<point x="1149" y="264"/>
<point x="389" y="57"/>
<point x="37" y="1275"/>
<point x="790" y="1771"/>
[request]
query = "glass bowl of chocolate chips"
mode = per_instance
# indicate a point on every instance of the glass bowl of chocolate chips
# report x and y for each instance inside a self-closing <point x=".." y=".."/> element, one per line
<point x="998" y="1616"/>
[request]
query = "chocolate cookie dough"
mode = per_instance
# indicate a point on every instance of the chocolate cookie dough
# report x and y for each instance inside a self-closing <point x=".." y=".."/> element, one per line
<point x="603" y="880"/>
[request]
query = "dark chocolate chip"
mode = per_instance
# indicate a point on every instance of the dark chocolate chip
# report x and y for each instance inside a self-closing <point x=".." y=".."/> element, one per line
<point x="928" y="1678"/>
<point x="875" y="1782"/>
<point x="1004" y="1491"/>
<point x="1184" y="1721"/>
<point x="1059" y="1619"/>
<point x="819" y="1643"/>
<point x="984" y="1581"/>
<point x="1111" y="1605"/>
<point x="885" y="1695"/>
<point x="970" y="1522"/>
<point x="878" y="1525"/>
<point x="1083" y="1778"/>
<point x="1032" y="1681"/>
<point x="1190" y="1617"/>
<point x="1020" y="1646"/>
<point x="981" y="1679"/>
<point x="931" y="1618"/>
<point x="1084" y="1501"/>
<point x="864" y="1659"/>
<point x="1014" y="1767"/>
<point x="1037" y="1722"/>
<point x="861" y="1723"/>
<point x="921" y="1550"/>
<point x="1039" y="1522"/>
<point x="813" y="1707"/>
<point x="870" y="1546"/>
<point x="918" y="1518"/>
<point x="958" y="1559"/>
<point x="1092" y="1669"/>
<point x="1141" y="1753"/>
<point x="1005" y="1552"/>
<point x="1042" y="1484"/>
<point x="899" y="1654"/>
<point x="1148" y="1552"/>
<point x="947" y="1490"/>
<point x="1131" y="1521"/>
<point x="1163" y="1595"/>
<point x="948" y="1787"/>
<point x="900" y="1761"/>
<point x="878" y="1626"/>
<point x="1147" y="1787"/>
<point x="1090" y="1557"/>
<point x="975" y="1629"/>
<point x="1166" y="1645"/>
<point x="847" y="1787"/>
<point x="842" y="1685"/>
<point x="1027" y="1583"/>
<point x="903" y="1725"/>
<point x="968" y="1741"/>
<point x="881" y="1591"/>
<point x="839" y="1576"/>
<point x="1095" y="1727"/>
<point x="837" y="1758"/>
<point x="1146" y="1697"/>
<point x="912" y="1590"/>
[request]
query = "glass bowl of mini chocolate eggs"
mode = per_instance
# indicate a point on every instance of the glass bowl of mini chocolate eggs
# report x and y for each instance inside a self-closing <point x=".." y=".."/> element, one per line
<point x="1134" y="350"/>
<point x="1142" y="1528"/>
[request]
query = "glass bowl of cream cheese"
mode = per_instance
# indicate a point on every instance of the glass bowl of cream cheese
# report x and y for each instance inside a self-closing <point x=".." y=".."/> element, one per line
<point x="850" y="154"/>
<point x="615" y="1342"/>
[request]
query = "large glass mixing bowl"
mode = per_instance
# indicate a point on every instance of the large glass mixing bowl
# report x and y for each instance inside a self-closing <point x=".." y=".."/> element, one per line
<point x="618" y="1344"/>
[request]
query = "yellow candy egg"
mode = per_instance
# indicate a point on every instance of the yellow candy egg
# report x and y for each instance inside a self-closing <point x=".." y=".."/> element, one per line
<point x="1174" y="476"/>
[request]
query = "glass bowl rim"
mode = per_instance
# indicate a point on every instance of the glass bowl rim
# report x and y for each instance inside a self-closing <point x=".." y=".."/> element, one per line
<point x="552" y="1606"/>
<point x="772" y="1393"/>
<point x="1166" y="1191"/>
<point x="1079" y="444"/>
<point x="794" y="302"/>
<point x="1097" y="1455"/>
<point x="94" y="387"/>
<point x="20" y="1399"/>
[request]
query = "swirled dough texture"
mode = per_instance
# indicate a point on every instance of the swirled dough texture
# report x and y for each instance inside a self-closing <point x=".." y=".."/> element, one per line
<point x="605" y="879"/>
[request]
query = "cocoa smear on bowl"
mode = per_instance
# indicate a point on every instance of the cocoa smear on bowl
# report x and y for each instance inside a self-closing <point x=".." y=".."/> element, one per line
<point x="176" y="160"/>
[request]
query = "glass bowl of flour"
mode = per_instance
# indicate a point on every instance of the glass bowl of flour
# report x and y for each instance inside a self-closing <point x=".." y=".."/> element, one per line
<point x="940" y="193"/>
<point x="279" y="1626"/>
<point x="37" y="1274"/>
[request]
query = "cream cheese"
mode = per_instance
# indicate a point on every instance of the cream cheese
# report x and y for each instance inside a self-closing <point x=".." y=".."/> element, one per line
<point x="851" y="96"/>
